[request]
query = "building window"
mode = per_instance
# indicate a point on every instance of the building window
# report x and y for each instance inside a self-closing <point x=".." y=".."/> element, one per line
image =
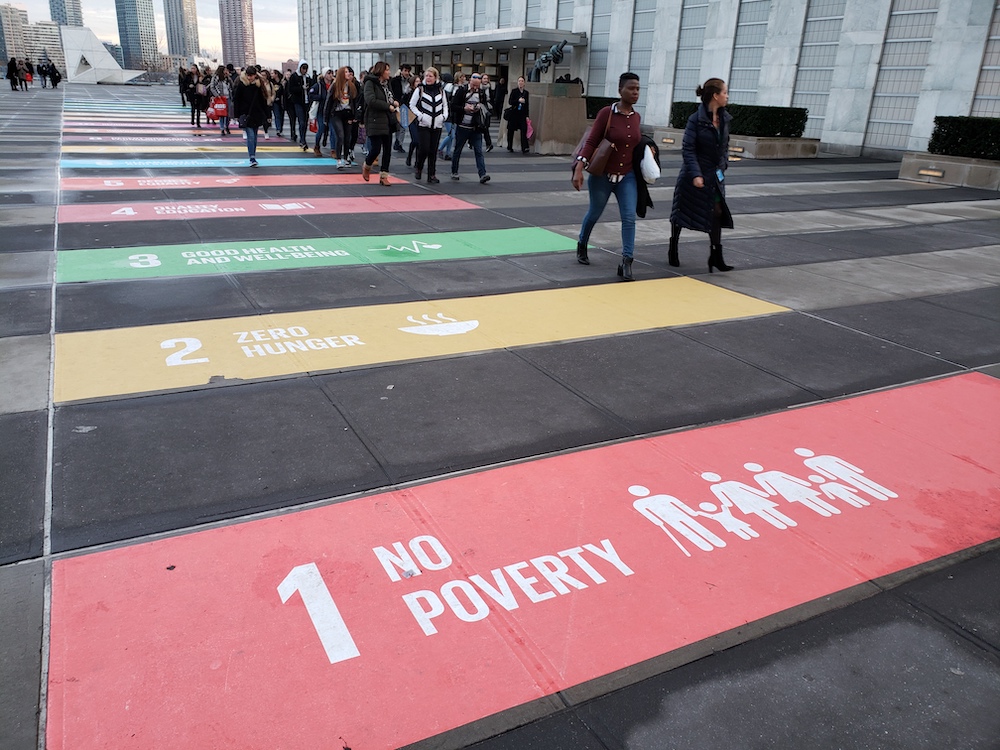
<point x="817" y="58"/>
<point x="505" y="18"/>
<point x="901" y="73"/>
<point x="641" y="54"/>
<point x="687" y="71"/>
<point x="987" y="100"/>
<point x="600" y="31"/>
<point x="748" y="50"/>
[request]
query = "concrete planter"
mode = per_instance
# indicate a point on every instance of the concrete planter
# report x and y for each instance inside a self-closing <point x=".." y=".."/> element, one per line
<point x="950" y="170"/>
<point x="748" y="146"/>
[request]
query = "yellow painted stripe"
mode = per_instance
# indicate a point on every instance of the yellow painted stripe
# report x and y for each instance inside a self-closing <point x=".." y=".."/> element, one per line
<point x="150" y="149"/>
<point x="94" y="364"/>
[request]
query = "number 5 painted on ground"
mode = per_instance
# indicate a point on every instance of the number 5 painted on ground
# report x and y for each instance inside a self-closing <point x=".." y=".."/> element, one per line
<point x="322" y="610"/>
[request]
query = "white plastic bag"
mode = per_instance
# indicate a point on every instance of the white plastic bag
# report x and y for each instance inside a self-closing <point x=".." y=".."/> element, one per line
<point x="649" y="168"/>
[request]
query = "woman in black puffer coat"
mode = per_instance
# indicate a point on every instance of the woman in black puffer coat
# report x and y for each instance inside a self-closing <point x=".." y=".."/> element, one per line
<point x="251" y="103"/>
<point x="700" y="193"/>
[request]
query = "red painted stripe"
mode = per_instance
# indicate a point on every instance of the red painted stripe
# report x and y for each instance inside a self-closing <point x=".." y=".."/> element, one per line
<point x="188" y="637"/>
<point x="188" y="210"/>
<point x="210" y="181"/>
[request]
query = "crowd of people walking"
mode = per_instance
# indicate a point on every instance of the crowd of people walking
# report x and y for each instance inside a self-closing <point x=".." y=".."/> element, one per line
<point x="22" y="74"/>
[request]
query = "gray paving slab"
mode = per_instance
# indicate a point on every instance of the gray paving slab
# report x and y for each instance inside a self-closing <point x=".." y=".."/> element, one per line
<point x="22" y="590"/>
<point x="27" y="215"/>
<point x="24" y="368"/>
<point x="896" y="276"/>
<point x="967" y="340"/>
<point x="965" y="595"/>
<point x="429" y="418"/>
<point x="879" y="675"/>
<point x="798" y="288"/>
<point x="22" y="484"/>
<point x="24" y="312"/>
<point x="563" y="268"/>
<point x="825" y="359"/>
<point x="119" y="304"/>
<point x="565" y="731"/>
<point x="139" y="466"/>
<point x="979" y="262"/>
<point x="126" y="234"/>
<point x="653" y="393"/>
<point x="466" y="277"/>
<point x="340" y="225"/>
<point x="19" y="270"/>
<point x="982" y="302"/>
<point x="320" y="288"/>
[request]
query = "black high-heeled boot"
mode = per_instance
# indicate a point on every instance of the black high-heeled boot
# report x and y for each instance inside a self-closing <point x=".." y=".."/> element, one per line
<point x="715" y="260"/>
<point x="581" y="253"/>
<point x="673" y="258"/>
<point x="625" y="270"/>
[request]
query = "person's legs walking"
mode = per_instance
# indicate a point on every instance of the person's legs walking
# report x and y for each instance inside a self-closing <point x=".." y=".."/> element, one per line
<point x="461" y="136"/>
<point x="599" y="191"/>
<point x="477" y="149"/>
<point x="251" y="145"/>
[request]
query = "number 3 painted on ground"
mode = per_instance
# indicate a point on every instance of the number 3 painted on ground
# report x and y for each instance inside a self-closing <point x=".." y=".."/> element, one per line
<point x="322" y="610"/>
<point x="144" y="260"/>
<point x="177" y="358"/>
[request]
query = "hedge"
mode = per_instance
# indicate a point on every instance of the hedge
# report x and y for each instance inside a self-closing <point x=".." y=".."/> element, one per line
<point x="751" y="119"/>
<point x="973" y="137"/>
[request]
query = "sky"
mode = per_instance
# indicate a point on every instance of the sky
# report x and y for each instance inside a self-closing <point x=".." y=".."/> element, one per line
<point x="276" y="32"/>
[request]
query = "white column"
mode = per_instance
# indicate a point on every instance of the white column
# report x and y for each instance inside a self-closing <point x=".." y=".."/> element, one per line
<point x="720" y="36"/>
<point x="658" y="91"/>
<point x="861" y="39"/>
<point x="619" y="44"/>
<point x="518" y="13"/>
<point x="583" y="15"/>
<point x="949" y="83"/>
<point x="780" y="62"/>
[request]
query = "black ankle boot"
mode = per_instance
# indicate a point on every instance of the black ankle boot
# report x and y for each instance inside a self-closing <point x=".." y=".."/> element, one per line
<point x="625" y="270"/>
<point x="672" y="257"/>
<point x="581" y="253"/>
<point x="715" y="260"/>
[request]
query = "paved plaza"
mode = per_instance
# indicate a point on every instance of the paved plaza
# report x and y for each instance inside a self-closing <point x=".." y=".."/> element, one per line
<point x="291" y="460"/>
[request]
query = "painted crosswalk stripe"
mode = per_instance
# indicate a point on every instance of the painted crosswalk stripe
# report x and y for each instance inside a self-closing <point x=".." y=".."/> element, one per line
<point x="206" y="259"/>
<point x="93" y="364"/>
<point x="176" y="211"/>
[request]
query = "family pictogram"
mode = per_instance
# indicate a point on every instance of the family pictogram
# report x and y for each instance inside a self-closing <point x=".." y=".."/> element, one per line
<point x="833" y="479"/>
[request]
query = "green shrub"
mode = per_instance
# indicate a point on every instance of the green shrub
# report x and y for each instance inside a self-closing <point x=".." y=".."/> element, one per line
<point x="596" y="103"/>
<point x="973" y="137"/>
<point x="751" y="119"/>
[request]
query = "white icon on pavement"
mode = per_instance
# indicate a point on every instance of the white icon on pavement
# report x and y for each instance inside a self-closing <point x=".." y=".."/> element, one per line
<point x="838" y="491"/>
<point x="793" y="489"/>
<point x="439" y="325"/>
<point x="833" y="467"/>
<point x="228" y="181"/>
<point x="666" y="510"/>
<point x="285" y="206"/>
<point x="727" y="520"/>
<point x="748" y="500"/>
<point x="417" y="247"/>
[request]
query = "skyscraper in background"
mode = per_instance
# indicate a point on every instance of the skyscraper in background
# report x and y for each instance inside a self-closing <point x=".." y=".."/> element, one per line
<point x="137" y="34"/>
<point x="182" y="27"/>
<point x="236" y="22"/>
<point x="66" y="12"/>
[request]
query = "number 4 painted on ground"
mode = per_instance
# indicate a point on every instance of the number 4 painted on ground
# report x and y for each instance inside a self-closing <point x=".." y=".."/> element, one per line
<point x="322" y="610"/>
<point x="127" y="211"/>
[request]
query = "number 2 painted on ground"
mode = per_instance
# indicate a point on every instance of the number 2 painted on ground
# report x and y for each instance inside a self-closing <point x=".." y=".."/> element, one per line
<point x="177" y="358"/>
<point x="322" y="610"/>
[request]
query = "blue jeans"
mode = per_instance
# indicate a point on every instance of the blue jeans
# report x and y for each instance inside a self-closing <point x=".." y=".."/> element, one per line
<point x="448" y="140"/>
<point x="278" y="114"/>
<point x="627" y="194"/>
<point x="468" y="135"/>
<point x="251" y="141"/>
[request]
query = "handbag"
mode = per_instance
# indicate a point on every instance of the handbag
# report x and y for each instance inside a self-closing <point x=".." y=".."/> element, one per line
<point x="599" y="159"/>
<point x="313" y="126"/>
<point x="219" y="106"/>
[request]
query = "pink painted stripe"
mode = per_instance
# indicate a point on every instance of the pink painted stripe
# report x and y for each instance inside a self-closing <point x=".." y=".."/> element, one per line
<point x="185" y="211"/>
<point x="211" y="181"/>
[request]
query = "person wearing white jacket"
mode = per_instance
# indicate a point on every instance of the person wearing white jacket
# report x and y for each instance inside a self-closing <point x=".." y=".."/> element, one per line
<point x="430" y="106"/>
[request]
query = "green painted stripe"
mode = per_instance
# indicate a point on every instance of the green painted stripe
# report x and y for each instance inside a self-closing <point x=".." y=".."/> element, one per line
<point x="158" y="261"/>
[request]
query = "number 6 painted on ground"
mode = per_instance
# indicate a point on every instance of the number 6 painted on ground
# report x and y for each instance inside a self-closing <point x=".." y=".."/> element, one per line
<point x="322" y="610"/>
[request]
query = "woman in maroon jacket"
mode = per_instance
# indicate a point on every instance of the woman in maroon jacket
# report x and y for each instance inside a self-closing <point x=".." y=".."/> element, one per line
<point x="620" y="124"/>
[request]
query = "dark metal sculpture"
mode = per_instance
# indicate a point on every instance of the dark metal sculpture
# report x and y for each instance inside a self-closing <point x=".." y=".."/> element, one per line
<point x="554" y="55"/>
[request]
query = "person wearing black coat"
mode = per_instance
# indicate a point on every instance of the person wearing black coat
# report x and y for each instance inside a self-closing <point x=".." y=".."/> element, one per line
<point x="517" y="115"/>
<point x="12" y="76"/>
<point x="250" y="107"/>
<point x="381" y="120"/>
<point x="700" y="193"/>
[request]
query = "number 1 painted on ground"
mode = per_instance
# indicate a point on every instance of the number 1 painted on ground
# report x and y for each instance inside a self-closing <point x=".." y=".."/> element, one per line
<point x="322" y="610"/>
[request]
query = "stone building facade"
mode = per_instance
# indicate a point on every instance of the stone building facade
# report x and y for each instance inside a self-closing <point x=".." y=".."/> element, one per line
<point x="872" y="73"/>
